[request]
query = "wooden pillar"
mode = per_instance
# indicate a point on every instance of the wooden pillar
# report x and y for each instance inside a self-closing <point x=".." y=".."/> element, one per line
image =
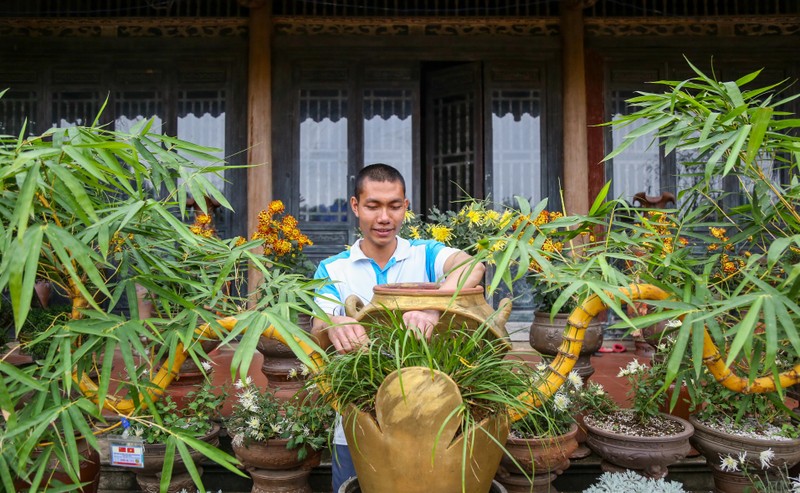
<point x="259" y="116"/>
<point x="576" y="173"/>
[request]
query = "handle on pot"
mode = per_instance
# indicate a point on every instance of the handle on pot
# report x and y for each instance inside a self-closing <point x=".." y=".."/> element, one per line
<point x="354" y="307"/>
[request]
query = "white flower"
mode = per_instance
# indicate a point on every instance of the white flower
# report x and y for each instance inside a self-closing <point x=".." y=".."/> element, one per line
<point x="673" y="324"/>
<point x="633" y="368"/>
<point x="561" y="402"/>
<point x="239" y="384"/>
<point x="597" y="389"/>
<point x="306" y="431"/>
<point x="304" y="370"/>
<point x="238" y="440"/>
<point x="766" y="458"/>
<point x="253" y="422"/>
<point x="795" y="484"/>
<point x="575" y="380"/>
<point x="743" y="457"/>
<point x="729" y="464"/>
<point x="206" y="366"/>
<point x="540" y="367"/>
<point x="276" y="428"/>
<point x="292" y="373"/>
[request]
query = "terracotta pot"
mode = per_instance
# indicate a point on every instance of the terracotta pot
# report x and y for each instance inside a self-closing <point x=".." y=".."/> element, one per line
<point x="414" y="445"/>
<point x="281" y="367"/>
<point x="650" y="456"/>
<point x="273" y="454"/>
<point x="468" y="309"/>
<point x="88" y="472"/>
<point x="546" y="336"/>
<point x="288" y="481"/>
<point x="714" y="445"/>
<point x="541" y="458"/>
<point x="149" y="477"/>
<point x="190" y="378"/>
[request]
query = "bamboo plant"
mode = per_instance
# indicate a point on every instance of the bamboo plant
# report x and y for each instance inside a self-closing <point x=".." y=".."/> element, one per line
<point x="723" y="266"/>
<point x="98" y="212"/>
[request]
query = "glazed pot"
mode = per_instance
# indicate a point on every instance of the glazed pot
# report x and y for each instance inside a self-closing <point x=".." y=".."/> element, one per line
<point x="88" y="472"/>
<point x="714" y="445"/>
<point x="542" y="459"/>
<point x="393" y="453"/>
<point x="546" y="337"/>
<point x="149" y="477"/>
<point x="281" y="367"/>
<point x="467" y="309"/>
<point x="650" y="456"/>
<point x="273" y="454"/>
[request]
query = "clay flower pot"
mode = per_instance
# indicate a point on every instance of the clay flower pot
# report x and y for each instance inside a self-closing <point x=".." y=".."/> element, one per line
<point x="541" y="459"/>
<point x="276" y="469"/>
<point x="715" y="445"/>
<point x="649" y="455"/>
<point x="546" y="336"/>
<point x="149" y="477"/>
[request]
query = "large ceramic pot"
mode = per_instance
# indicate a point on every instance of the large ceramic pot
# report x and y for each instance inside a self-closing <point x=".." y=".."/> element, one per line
<point x="546" y="337"/>
<point x="715" y="445"/>
<point x="149" y="477"/>
<point x="190" y="378"/>
<point x="88" y="472"/>
<point x="466" y="309"/>
<point x="413" y="443"/>
<point x="650" y="456"/>
<point x="541" y="459"/>
<point x="281" y="367"/>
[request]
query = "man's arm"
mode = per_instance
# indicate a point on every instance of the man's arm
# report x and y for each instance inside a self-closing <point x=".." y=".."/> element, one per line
<point x="459" y="268"/>
<point x="344" y="333"/>
<point x="456" y="267"/>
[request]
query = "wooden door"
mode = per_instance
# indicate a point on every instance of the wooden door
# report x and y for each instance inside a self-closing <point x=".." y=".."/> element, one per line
<point x="453" y="135"/>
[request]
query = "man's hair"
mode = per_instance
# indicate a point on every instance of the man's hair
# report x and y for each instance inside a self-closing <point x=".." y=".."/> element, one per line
<point x="378" y="172"/>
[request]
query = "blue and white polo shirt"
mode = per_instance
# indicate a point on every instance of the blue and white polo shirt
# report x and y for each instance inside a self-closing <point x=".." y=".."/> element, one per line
<point x="354" y="273"/>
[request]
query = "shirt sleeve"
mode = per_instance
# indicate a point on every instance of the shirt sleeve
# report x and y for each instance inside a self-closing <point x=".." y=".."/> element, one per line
<point x="328" y="297"/>
<point x="436" y="254"/>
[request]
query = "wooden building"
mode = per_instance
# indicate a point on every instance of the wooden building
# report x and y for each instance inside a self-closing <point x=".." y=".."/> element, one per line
<point x="467" y="97"/>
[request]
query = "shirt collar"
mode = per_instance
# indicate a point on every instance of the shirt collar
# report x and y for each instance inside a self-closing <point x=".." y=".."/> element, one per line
<point x="401" y="252"/>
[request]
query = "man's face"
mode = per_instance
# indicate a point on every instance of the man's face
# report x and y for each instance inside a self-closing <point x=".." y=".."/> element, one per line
<point x="380" y="210"/>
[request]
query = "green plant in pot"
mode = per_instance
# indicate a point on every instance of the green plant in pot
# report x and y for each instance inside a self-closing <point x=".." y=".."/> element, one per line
<point x="279" y="441"/>
<point x="733" y="285"/>
<point x="98" y="212"/>
<point x="540" y="444"/>
<point x="165" y="429"/>
<point x="444" y="403"/>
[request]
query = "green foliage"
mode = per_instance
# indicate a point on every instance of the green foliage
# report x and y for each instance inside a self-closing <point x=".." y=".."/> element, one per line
<point x="488" y="382"/>
<point x="557" y="414"/>
<point x="259" y="416"/>
<point x="728" y="260"/>
<point x="97" y="213"/>
<point x="196" y="418"/>
<point x="38" y="322"/>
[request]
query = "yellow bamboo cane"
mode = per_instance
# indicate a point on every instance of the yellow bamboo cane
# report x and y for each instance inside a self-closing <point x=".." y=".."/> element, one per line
<point x="579" y="319"/>
<point x="166" y="374"/>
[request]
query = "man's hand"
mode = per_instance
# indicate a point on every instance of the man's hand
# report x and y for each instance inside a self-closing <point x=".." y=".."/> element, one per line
<point x="422" y="321"/>
<point x="346" y="334"/>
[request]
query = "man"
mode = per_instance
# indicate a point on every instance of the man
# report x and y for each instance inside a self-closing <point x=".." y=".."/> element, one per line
<point x="381" y="257"/>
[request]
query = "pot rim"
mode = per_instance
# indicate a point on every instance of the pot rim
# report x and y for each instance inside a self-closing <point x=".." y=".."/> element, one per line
<point x="688" y="431"/>
<point x="425" y="289"/>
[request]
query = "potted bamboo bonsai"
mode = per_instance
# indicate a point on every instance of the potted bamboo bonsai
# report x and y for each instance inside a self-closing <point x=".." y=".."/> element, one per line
<point x="725" y="268"/>
<point x="96" y="213"/>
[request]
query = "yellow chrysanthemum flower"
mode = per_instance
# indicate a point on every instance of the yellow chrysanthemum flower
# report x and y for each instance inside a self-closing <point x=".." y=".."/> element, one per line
<point x="505" y="219"/>
<point x="475" y="217"/>
<point x="440" y="232"/>
<point x="409" y="216"/>
<point x="414" y="232"/>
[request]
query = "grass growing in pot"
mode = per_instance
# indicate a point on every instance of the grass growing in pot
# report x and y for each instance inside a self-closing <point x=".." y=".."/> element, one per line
<point x="488" y="382"/>
<point x="443" y="403"/>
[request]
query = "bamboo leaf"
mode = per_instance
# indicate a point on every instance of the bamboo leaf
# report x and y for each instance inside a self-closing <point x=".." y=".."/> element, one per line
<point x="760" y="121"/>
